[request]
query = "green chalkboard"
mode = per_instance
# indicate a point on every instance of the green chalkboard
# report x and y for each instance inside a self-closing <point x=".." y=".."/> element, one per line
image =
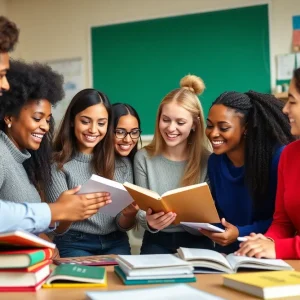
<point x="139" y="62"/>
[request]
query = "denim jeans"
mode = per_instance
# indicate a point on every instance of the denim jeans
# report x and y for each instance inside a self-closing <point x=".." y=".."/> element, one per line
<point x="75" y="243"/>
<point x="169" y="242"/>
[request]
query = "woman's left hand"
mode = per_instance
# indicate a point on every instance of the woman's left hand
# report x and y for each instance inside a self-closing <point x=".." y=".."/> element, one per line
<point x="225" y="238"/>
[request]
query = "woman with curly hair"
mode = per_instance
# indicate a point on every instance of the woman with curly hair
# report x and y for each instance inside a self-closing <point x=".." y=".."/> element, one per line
<point x="26" y="129"/>
<point x="248" y="132"/>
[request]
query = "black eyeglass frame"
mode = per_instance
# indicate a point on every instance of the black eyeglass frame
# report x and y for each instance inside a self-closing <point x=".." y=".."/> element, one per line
<point x="127" y="132"/>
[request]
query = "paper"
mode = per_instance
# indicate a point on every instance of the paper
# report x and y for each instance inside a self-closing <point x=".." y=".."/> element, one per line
<point x="285" y="66"/>
<point x="174" y="292"/>
<point x="206" y="226"/>
<point x="119" y="196"/>
<point x="297" y="60"/>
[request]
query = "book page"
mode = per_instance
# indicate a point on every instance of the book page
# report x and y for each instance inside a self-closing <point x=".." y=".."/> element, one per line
<point x="174" y="292"/>
<point x="151" y="261"/>
<point x="142" y="190"/>
<point x="184" y="188"/>
<point x="257" y="263"/>
<point x="190" y="254"/>
<point x="119" y="195"/>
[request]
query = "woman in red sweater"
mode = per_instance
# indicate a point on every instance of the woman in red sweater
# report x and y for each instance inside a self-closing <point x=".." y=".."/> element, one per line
<point x="282" y="240"/>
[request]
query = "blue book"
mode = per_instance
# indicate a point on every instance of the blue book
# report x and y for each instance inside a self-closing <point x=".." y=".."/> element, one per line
<point x="122" y="276"/>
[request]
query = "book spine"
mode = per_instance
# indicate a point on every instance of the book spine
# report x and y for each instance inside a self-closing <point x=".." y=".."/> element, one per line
<point x="41" y="255"/>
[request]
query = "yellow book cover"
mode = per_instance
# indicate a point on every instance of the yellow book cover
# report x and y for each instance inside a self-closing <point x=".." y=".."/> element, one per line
<point x="271" y="284"/>
<point x="73" y="276"/>
<point x="192" y="203"/>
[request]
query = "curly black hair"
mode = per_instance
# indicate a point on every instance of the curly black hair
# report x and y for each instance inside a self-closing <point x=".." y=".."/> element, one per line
<point x="9" y="35"/>
<point x="29" y="82"/>
<point x="267" y="128"/>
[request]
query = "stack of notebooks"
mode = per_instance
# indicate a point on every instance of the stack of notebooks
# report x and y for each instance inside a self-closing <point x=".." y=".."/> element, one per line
<point x="24" y="261"/>
<point x="153" y="269"/>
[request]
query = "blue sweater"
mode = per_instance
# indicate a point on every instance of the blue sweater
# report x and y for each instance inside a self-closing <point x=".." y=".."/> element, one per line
<point x="233" y="200"/>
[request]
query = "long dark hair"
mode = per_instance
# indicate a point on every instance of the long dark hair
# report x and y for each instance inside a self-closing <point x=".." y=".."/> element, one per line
<point x="297" y="79"/>
<point x="123" y="109"/>
<point x="65" y="141"/>
<point x="267" y="128"/>
<point x="32" y="82"/>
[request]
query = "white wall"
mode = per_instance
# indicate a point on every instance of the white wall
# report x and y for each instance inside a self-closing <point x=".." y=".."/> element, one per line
<point x="56" y="29"/>
<point x="3" y="7"/>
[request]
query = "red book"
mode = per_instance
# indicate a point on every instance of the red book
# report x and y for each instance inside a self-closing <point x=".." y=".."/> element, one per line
<point x="24" y="258"/>
<point x="23" y="288"/>
<point x="22" y="239"/>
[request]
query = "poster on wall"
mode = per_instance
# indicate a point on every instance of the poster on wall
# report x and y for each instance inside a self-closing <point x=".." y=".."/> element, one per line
<point x="72" y="71"/>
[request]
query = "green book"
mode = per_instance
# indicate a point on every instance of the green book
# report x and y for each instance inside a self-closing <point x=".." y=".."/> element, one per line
<point x="76" y="276"/>
<point x="122" y="276"/>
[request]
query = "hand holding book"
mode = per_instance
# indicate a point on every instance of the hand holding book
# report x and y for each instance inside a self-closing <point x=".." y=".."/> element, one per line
<point x="159" y="220"/>
<point x="225" y="238"/>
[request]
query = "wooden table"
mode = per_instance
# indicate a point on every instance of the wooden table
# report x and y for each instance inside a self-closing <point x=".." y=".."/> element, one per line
<point x="211" y="283"/>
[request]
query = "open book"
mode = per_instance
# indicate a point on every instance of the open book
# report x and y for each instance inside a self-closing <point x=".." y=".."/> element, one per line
<point x="192" y="203"/>
<point x="119" y="195"/>
<point x="209" y="261"/>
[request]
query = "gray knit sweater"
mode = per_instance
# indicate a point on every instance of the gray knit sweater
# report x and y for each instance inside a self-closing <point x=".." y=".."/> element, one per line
<point x="14" y="182"/>
<point x="160" y="174"/>
<point x="78" y="171"/>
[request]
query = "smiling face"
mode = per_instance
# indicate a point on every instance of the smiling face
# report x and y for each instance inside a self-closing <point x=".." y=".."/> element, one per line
<point x="90" y="127"/>
<point x="175" y="125"/>
<point x="28" y="129"/>
<point x="292" y="108"/>
<point x="225" y="130"/>
<point x="127" y="123"/>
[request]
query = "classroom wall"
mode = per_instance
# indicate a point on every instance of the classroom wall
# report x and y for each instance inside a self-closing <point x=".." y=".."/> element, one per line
<point x="56" y="29"/>
<point x="3" y="7"/>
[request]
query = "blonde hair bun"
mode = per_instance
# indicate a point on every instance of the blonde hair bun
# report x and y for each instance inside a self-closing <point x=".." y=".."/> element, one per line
<point x="194" y="83"/>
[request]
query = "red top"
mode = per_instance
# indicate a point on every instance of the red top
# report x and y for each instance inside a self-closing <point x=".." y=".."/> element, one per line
<point x="285" y="228"/>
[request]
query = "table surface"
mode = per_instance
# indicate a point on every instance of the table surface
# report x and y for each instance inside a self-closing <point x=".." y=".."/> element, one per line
<point x="211" y="283"/>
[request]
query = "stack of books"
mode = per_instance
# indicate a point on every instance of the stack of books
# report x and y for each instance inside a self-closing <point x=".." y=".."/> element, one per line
<point x="153" y="269"/>
<point x="24" y="261"/>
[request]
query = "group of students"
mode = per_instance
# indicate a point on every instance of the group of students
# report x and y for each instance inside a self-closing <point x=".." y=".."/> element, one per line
<point x="254" y="155"/>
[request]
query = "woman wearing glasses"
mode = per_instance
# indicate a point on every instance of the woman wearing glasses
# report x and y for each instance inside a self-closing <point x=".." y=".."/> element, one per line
<point x="127" y="132"/>
<point x="177" y="156"/>
<point x="84" y="146"/>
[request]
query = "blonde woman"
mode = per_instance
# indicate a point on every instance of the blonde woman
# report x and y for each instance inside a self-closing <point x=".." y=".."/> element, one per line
<point x="177" y="156"/>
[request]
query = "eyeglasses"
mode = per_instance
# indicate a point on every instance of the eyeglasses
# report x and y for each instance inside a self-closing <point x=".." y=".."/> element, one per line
<point x="122" y="133"/>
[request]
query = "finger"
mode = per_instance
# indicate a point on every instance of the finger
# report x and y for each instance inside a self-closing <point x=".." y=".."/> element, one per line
<point x="90" y="213"/>
<point x="167" y="222"/>
<point x="254" y="252"/>
<point x="73" y="190"/>
<point x="97" y="195"/>
<point x="247" y="248"/>
<point x="149" y="212"/>
<point x="165" y="217"/>
<point x="157" y="215"/>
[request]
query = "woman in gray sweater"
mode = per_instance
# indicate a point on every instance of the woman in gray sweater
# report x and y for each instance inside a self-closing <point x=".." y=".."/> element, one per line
<point x="84" y="146"/>
<point x="177" y="156"/>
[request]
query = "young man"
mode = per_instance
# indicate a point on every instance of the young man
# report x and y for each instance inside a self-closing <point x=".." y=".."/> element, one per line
<point x="38" y="217"/>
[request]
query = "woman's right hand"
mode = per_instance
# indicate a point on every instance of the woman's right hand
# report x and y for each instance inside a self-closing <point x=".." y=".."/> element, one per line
<point x="159" y="220"/>
<point x="72" y="207"/>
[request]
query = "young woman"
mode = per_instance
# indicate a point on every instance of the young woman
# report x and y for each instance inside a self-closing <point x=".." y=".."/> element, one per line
<point x="26" y="128"/>
<point x="248" y="132"/>
<point x="177" y="156"/>
<point x="83" y="146"/>
<point x="127" y="130"/>
<point x="282" y="238"/>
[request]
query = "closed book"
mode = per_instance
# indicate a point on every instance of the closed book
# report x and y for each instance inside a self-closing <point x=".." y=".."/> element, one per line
<point x="198" y="204"/>
<point x="33" y="288"/>
<point x="95" y="260"/>
<point x="137" y="281"/>
<point x="24" y="277"/>
<point x="22" y="239"/>
<point x="266" y="285"/>
<point x="209" y="261"/>
<point x="24" y="258"/>
<point x="72" y="276"/>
